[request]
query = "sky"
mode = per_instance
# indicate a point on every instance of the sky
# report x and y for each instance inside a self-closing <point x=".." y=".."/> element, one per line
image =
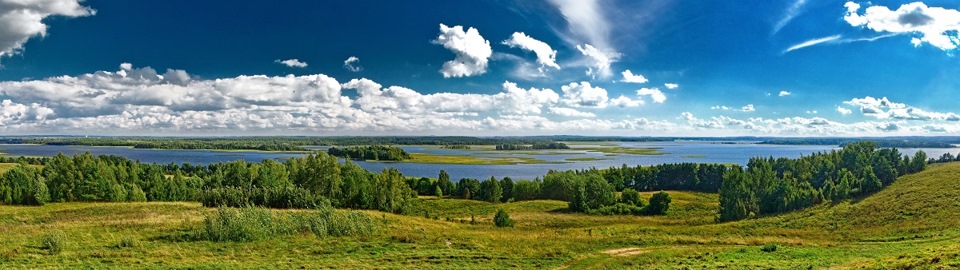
<point x="480" y="68"/>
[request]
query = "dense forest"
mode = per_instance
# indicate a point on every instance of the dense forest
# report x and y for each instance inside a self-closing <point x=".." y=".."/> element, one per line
<point x="370" y="152"/>
<point x="535" y="146"/>
<point x="297" y="183"/>
<point x="771" y="186"/>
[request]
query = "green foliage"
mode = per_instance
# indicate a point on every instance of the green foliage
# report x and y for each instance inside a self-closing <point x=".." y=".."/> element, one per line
<point x="254" y="223"/>
<point x="771" y="186"/>
<point x="769" y="248"/>
<point x="631" y="197"/>
<point x="619" y="209"/>
<point x="659" y="204"/>
<point x="23" y="185"/>
<point x="53" y="242"/>
<point x="490" y="190"/>
<point x="524" y="190"/>
<point x="128" y="242"/>
<point x="502" y="219"/>
<point x="370" y="152"/>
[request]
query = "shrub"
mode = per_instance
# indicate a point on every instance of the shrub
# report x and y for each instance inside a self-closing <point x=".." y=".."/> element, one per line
<point x="618" y="209"/>
<point x="631" y="197"/>
<point x="659" y="203"/>
<point x="53" y="242"/>
<point x="769" y="247"/>
<point x="128" y="241"/>
<point x="502" y="219"/>
<point x="255" y="223"/>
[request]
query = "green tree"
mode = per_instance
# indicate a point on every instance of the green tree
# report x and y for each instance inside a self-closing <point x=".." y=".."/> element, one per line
<point x="490" y="190"/>
<point x="502" y="219"/>
<point x="659" y="203"/>
<point x="507" y="185"/>
<point x="631" y="197"/>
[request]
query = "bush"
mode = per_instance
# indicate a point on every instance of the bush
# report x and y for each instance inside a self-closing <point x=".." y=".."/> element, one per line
<point x="255" y="223"/>
<point x="631" y="197"/>
<point x="659" y="203"/>
<point x="53" y="242"/>
<point x="769" y="247"/>
<point x="128" y="241"/>
<point x="502" y="219"/>
<point x="618" y="209"/>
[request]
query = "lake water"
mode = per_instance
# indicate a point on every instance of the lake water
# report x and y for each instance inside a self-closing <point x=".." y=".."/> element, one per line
<point x="675" y="152"/>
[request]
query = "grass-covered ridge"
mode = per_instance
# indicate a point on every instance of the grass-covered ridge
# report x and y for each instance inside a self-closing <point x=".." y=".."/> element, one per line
<point x="914" y="222"/>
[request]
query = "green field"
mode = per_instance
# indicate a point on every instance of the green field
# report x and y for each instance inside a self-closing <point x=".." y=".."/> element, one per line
<point x="914" y="223"/>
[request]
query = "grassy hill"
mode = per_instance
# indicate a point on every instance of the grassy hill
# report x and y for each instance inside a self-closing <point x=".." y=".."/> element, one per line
<point x="914" y="222"/>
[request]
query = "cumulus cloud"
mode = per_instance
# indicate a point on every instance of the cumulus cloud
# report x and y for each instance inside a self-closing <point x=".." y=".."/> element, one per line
<point x="598" y="61"/>
<point x="352" y="64"/>
<point x="568" y="112"/>
<point x="936" y="26"/>
<point x="472" y="50"/>
<point x="784" y="93"/>
<point x="745" y="108"/>
<point x="843" y="111"/>
<point x="654" y="93"/>
<point x="671" y="86"/>
<point x="546" y="56"/>
<point x="584" y="95"/>
<point x="294" y="63"/>
<point x="626" y="102"/>
<point x="629" y="77"/>
<point x="21" y="20"/>
<point x="882" y="108"/>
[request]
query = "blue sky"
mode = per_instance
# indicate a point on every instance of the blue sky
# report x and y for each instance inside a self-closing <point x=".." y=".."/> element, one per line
<point x="706" y="68"/>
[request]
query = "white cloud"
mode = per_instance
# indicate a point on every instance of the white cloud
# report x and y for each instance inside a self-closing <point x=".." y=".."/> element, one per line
<point x="936" y="26"/>
<point x="598" y="61"/>
<point x="671" y="86"/>
<point x="655" y="94"/>
<point x="584" y="95"/>
<point x="788" y="16"/>
<point x="546" y="56"/>
<point x="626" y="102"/>
<point x="294" y="63"/>
<point x="472" y="50"/>
<point x="587" y="21"/>
<point x="883" y="108"/>
<point x="745" y="108"/>
<point x="352" y="64"/>
<point x="784" y="93"/>
<point x="812" y="42"/>
<point x="568" y="112"/>
<point x="21" y="20"/>
<point x="843" y="111"/>
<point x="629" y="77"/>
<point x="812" y="112"/>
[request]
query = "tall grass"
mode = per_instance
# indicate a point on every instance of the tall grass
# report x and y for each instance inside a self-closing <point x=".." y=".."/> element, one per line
<point x="256" y="223"/>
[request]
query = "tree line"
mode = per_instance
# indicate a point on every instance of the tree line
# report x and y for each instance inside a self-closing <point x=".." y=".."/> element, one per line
<point x="771" y="186"/>
<point x="303" y="182"/>
<point x="370" y="152"/>
<point x="534" y="146"/>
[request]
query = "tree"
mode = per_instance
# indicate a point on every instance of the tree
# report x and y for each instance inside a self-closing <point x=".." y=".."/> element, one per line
<point x="659" y="203"/>
<point x="468" y="188"/>
<point x="919" y="162"/>
<point x="438" y="192"/>
<point x="443" y="181"/>
<point x="490" y="190"/>
<point x="526" y="190"/>
<point x="507" y="185"/>
<point x="631" y="197"/>
<point x="502" y="219"/>
<point x="598" y="191"/>
<point x="870" y="183"/>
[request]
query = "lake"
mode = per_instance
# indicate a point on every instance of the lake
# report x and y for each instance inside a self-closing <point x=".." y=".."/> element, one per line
<point x="675" y="152"/>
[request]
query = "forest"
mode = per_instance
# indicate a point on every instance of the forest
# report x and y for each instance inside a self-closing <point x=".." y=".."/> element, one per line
<point x="765" y="186"/>
<point x="370" y="152"/>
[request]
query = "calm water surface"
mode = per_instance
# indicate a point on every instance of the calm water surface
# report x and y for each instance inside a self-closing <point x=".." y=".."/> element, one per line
<point x="676" y="152"/>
